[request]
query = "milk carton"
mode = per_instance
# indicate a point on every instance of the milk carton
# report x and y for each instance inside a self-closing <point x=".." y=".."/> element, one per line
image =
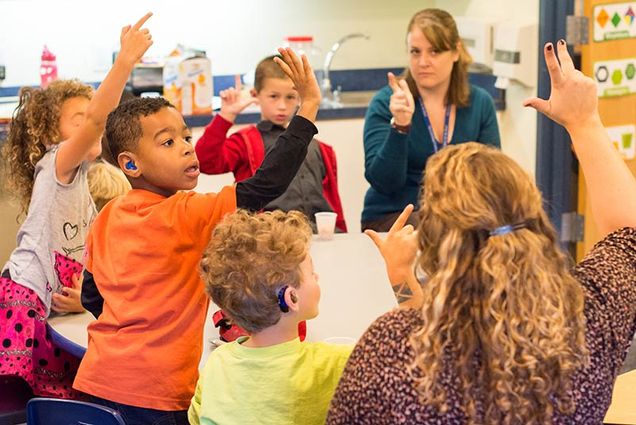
<point x="187" y="84"/>
<point x="172" y="83"/>
<point x="196" y="91"/>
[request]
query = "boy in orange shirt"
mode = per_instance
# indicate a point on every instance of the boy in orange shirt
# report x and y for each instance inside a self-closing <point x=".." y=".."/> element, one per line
<point x="144" y="248"/>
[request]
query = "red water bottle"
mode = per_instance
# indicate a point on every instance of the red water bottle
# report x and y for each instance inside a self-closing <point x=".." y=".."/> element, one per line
<point x="48" y="68"/>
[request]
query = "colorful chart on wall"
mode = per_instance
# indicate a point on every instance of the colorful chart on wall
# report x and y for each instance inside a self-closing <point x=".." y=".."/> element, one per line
<point x="624" y="139"/>
<point x="615" y="78"/>
<point x="615" y="21"/>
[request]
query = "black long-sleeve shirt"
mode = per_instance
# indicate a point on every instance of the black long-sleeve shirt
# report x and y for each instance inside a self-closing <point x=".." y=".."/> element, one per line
<point x="279" y="166"/>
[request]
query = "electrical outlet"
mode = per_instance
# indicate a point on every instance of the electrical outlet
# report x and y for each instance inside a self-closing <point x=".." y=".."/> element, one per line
<point x="3" y="74"/>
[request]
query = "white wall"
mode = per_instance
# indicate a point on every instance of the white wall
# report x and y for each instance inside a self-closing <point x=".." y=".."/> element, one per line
<point x="235" y="34"/>
<point x="517" y="125"/>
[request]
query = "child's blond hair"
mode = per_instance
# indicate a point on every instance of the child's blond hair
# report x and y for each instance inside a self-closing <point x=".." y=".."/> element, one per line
<point x="106" y="182"/>
<point x="250" y="257"/>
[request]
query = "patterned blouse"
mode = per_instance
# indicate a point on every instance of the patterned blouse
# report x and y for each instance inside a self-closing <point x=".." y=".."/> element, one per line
<point x="376" y="388"/>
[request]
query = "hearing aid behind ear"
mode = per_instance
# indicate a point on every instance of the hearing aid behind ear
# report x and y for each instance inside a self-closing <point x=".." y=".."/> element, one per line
<point x="130" y="165"/>
<point x="282" y="304"/>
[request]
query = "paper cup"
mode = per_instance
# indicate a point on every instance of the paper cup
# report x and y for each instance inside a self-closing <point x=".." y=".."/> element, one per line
<point x="326" y="224"/>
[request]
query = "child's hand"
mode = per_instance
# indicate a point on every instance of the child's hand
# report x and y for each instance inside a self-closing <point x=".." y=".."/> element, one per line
<point x="232" y="103"/>
<point x="401" y="104"/>
<point x="301" y="74"/>
<point x="70" y="301"/>
<point x="135" y="41"/>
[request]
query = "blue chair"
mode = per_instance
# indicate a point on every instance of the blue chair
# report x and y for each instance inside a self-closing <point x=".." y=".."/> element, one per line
<point x="53" y="411"/>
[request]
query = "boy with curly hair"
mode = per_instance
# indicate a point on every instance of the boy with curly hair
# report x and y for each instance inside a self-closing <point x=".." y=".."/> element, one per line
<point x="258" y="269"/>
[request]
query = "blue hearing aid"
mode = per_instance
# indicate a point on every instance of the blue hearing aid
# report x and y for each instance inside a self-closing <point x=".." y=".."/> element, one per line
<point x="130" y="165"/>
<point x="281" y="299"/>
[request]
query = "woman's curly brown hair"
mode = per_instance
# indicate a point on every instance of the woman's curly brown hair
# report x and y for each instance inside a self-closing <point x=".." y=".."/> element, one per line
<point x="503" y="313"/>
<point x="35" y="125"/>
<point x="249" y="258"/>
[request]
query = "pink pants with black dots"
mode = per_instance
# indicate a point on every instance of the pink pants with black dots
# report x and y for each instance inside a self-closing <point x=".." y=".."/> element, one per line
<point x="26" y="350"/>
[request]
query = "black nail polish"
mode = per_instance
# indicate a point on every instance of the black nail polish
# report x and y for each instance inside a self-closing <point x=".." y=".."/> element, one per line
<point x="549" y="47"/>
<point x="562" y="42"/>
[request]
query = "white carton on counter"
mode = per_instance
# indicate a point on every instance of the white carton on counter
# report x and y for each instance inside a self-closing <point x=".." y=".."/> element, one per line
<point x="187" y="84"/>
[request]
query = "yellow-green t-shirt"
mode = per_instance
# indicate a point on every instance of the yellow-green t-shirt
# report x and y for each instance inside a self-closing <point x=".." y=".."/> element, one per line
<point x="288" y="383"/>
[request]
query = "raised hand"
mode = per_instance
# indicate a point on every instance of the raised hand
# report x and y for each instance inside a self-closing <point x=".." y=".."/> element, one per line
<point x="399" y="250"/>
<point x="401" y="103"/>
<point x="573" y="102"/>
<point x="302" y="75"/>
<point x="232" y="103"/>
<point x="573" y="96"/>
<point x="135" y="40"/>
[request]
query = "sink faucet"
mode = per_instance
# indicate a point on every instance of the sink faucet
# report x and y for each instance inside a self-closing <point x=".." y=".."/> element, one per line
<point x="330" y="97"/>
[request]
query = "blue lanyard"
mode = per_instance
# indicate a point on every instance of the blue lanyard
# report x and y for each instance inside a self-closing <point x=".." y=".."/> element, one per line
<point x="434" y="141"/>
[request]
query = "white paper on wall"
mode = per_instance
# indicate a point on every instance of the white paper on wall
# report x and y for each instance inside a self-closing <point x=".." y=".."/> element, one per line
<point x="615" y="78"/>
<point x="614" y="21"/>
<point x="623" y="138"/>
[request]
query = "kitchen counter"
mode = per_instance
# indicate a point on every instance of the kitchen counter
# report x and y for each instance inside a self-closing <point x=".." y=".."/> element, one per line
<point x="354" y="106"/>
<point x="357" y="88"/>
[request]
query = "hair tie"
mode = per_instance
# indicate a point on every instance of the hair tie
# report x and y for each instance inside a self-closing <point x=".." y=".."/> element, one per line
<point x="508" y="228"/>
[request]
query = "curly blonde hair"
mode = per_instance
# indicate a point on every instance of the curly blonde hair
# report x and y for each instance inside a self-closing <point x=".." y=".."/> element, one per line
<point x="35" y="125"/>
<point x="249" y="258"/>
<point x="106" y="182"/>
<point x="502" y="312"/>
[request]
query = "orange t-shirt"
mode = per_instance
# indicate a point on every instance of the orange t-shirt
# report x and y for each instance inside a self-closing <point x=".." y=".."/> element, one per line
<point x="144" y="250"/>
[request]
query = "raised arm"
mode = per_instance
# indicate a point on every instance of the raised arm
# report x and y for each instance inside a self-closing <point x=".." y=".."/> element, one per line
<point x="573" y="104"/>
<point x="84" y="144"/>
<point x="385" y="148"/>
<point x="218" y="153"/>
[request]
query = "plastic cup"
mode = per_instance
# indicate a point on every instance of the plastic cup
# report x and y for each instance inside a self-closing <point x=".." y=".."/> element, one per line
<point x="326" y="225"/>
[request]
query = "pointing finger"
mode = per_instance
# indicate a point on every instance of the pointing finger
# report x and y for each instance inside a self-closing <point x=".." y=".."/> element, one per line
<point x="393" y="82"/>
<point x="142" y="21"/>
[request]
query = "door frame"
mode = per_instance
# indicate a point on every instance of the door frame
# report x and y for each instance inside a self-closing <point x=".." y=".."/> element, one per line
<point x="556" y="165"/>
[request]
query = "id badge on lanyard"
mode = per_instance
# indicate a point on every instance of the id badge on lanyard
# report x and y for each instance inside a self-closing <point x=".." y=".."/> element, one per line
<point x="434" y="141"/>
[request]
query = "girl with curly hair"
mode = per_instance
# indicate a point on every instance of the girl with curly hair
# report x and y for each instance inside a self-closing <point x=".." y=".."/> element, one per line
<point x="503" y="329"/>
<point x="54" y="135"/>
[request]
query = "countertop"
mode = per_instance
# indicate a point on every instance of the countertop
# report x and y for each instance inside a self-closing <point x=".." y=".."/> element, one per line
<point x="350" y="109"/>
<point x="357" y="89"/>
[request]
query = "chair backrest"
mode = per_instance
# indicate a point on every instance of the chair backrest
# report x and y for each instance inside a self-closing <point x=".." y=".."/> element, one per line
<point x="52" y="411"/>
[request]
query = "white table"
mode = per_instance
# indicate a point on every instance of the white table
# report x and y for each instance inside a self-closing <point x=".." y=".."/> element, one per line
<point x="355" y="291"/>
